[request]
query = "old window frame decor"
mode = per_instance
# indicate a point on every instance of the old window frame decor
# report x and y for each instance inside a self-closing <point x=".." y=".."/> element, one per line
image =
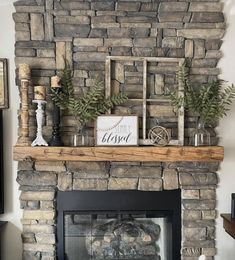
<point x="117" y="130"/>
<point x="145" y="100"/>
<point x="4" y="102"/>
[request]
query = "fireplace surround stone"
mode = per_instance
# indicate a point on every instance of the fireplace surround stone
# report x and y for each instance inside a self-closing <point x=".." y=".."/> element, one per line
<point x="39" y="182"/>
<point x="85" y="32"/>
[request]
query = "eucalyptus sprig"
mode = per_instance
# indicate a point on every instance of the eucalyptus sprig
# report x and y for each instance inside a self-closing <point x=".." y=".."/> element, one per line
<point x="88" y="106"/>
<point x="209" y="101"/>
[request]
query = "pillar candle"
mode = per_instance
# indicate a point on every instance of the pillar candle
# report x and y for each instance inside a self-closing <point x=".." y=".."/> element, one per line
<point x="39" y="92"/>
<point x="55" y="82"/>
<point x="24" y="71"/>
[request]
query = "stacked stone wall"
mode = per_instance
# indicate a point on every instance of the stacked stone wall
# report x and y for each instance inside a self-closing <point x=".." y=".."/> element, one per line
<point x="84" y="32"/>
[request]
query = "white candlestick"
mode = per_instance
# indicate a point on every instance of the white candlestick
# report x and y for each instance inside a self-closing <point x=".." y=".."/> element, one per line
<point x="39" y="141"/>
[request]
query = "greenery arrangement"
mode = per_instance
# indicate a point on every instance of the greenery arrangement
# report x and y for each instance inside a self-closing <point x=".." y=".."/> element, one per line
<point x="210" y="101"/>
<point x="88" y="106"/>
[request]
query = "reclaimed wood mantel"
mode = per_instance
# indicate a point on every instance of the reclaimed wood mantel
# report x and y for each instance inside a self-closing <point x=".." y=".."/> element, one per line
<point x="120" y="154"/>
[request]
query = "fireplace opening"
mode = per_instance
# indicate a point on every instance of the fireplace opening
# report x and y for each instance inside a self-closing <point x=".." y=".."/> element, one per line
<point x="97" y="225"/>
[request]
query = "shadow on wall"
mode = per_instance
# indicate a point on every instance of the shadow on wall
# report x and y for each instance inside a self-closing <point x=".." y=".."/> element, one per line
<point x="10" y="237"/>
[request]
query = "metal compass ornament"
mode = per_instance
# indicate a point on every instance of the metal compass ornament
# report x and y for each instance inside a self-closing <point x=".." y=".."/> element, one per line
<point x="159" y="136"/>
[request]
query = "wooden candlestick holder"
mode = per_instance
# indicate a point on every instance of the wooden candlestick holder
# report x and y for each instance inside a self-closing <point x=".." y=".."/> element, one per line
<point x="24" y="139"/>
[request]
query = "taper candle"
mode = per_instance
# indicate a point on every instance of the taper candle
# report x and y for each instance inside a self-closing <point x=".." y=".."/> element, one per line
<point x="39" y="93"/>
<point x="55" y="82"/>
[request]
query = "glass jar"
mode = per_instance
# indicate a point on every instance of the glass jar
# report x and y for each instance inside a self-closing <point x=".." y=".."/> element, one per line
<point x="80" y="136"/>
<point x="200" y="136"/>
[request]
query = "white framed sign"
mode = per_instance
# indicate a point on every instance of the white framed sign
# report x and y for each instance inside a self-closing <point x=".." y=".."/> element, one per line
<point x="114" y="130"/>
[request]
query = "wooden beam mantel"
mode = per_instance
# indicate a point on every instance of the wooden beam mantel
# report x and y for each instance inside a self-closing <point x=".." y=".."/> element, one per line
<point x="120" y="154"/>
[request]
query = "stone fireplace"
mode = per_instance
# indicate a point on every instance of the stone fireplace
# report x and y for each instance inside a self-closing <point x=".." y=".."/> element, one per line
<point x="85" y="32"/>
<point x="119" y="225"/>
<point x="40" y="181"/>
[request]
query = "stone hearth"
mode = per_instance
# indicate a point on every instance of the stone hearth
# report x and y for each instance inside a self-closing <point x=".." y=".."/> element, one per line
<point x="39" y="182"/>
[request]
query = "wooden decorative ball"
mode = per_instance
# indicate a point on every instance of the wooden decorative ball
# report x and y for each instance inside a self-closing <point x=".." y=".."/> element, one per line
<point x="159" y="136"/>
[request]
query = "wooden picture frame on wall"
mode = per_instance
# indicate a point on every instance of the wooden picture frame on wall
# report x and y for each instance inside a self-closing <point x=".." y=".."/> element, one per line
<point x="4" y="101"/>
<point x="1" y="166"/>
<point x="144" y="100"/>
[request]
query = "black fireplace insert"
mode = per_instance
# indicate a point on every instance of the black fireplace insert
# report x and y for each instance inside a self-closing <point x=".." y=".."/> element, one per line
<point x="99" y="225"/>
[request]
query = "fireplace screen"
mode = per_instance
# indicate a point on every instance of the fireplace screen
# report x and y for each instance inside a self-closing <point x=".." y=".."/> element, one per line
<point x="124" y="225"/>
<point x="140" y="236"/>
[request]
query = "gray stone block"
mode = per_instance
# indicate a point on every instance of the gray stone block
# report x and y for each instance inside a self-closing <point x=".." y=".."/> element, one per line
<point x="65" y="181"/>
<point x="37" y="63"/>
<point x="128" y="6"/>
<point x="103" y="5"/>
<point x="94" y="42"/>
<point x="31" y="255"/>
<point x="207" y="17"/>
<point x="22" y="36"/>
<point x="149" y="7"/>
<point x="25" y="166"/>
<point x="202" y="63"/>
<point x="37" y="27"/>
<point x="25" y="2"/>
<point x="90" y="56"/>
<point x="199" y="49"/>
<point x="51" y="166"/>
<point x="72" y="30"/>
<point x="22" y="27"/>
<point x="46" y="53"/>
<point x="173" y="7"/>
<point x="124" y="42"/>
<point x="90" y="184"/>
<point x="197" y="179"/>
<point x="81" y="19"/>
<point x="34" y="44"/>
<point x="194" y="234"/>
<point x="136" y="171"/>
<point x="87" y="167"/>
<point x="191" y="251"/>
<point x="121" y="51"/>
<point x="199" y="204"/>
<point x="122" y="183"/>
<point x="146" y="184"/>
<point x="73" y="5"/>
<point x="201" y="33"/>
<point x="191" y="215"/>
<point x="30" y="9"/>
<point x="89" y="66"/>
<point x="173" y="42"/>
<point x="31" y="178"/>
<point x="136" y="19"/>
<point x="145" y="42"/>
<point x="206" y="7"/>
<point x="98" y="33"/>
<point x="174" y="17"/>
<point x="170" y="179"/>
<point x="119" y="32"/>
<point x="145" y="52"/>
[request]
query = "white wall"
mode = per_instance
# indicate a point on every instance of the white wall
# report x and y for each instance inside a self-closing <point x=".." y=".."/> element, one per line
<point x="12" y="241"/>
<point x="226" y="244"/>
<point x="11" y="236"/>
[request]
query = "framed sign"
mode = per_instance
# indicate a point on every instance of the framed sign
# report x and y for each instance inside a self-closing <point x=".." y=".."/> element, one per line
<point x="114" y="130"/>
<point x="3" y="84"/>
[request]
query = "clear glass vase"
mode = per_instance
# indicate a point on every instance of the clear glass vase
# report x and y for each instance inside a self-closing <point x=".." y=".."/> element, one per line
<point x="80" y="136"/>
<point x="200" y="136"/>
